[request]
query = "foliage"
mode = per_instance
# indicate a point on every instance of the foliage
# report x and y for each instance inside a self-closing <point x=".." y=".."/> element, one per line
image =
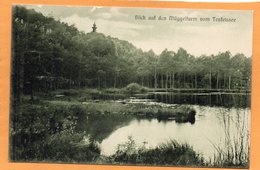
<point x="47" y="132"/>
<point x="236" y="143"/>
<point x="135" y="88"/>
<point x="178" y="113"/>
<point x="171" y="153"/>
<point x="70" y="92"/>
<point x="69" y="147"/>
<point x="50" y="55"/>
<point x="52" y="131"/>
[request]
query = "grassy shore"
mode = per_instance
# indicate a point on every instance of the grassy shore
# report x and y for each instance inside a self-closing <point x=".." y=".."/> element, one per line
<point x="165" y="154"/>
<point x="116" y="101"/>
<point x="177" y="113"/>
<point x="46" y="129"/>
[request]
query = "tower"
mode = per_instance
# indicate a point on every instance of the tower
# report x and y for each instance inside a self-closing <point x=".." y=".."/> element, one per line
<point x="94" y="28"/>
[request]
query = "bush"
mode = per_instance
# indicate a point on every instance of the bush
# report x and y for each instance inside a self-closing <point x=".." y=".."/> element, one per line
<point x="135" y="88"/>
<point x="180" y="114"/>
<point x="235" y="151"/>
<point x="112" y="90"/>
<point x="71" y="147"/>
<point x="39" y="130"/>
<point x="171" y="153"/>
<point x="71" y="92"/>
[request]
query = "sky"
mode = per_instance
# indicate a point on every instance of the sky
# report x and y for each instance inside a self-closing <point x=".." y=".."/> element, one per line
<point x="197" y="37"/>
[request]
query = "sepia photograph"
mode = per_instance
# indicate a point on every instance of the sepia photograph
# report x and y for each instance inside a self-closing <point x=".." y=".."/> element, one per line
<point x="131" y="86"/>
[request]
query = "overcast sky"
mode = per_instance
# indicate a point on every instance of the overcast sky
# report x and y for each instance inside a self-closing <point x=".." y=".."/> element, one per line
<point x="196" y="37"/>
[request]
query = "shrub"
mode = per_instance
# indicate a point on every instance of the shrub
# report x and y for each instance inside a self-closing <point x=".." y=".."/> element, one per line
<point x="71" y="147"/>
<point x="71" y="92"/>
<point x="235" y="152"/>
<point x="112" y="90"/>
<point x="135" y="88"/>
<point x="170" y="153"/>
<point x="35" y="127"/>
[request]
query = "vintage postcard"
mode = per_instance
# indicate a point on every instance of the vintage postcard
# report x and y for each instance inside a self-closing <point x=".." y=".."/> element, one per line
<point x="131" y="86"/>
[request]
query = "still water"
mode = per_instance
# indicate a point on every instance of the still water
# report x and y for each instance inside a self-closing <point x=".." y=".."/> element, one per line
<point x="208" y="130"/>
<point x="214" y="123"/>
<point x="204" y="99"/>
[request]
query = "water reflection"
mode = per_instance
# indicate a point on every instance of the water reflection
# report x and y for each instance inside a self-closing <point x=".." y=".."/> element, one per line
<point x="100" y="127"/>
<point x="218" y="117"/>
<point x="209" y="130"/>
<point x="204" y="99"/>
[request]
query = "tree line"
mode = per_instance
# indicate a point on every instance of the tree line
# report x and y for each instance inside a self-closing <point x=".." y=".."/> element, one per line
<point x="48" y="54"/>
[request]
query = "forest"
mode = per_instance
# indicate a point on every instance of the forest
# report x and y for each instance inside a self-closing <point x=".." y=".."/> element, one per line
<point x="49" y="55"/>
<point x="70" y="90"/>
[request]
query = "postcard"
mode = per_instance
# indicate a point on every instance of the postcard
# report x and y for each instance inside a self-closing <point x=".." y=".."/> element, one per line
<point x="130" y="86"/>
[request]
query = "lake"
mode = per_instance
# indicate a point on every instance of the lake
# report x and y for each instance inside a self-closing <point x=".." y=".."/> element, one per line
<point x="218" y="117"/>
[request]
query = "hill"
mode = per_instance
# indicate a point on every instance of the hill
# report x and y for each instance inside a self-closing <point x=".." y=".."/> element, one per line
<point x="48" y="54"/>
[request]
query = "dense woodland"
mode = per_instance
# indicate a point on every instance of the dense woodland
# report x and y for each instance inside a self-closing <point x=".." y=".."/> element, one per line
<point x="48" y="54"/>
<point x="68" y="71"/>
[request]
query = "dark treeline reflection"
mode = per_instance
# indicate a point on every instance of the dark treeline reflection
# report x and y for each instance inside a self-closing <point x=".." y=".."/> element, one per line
<point x="224" y="100"/>
<point x="100" y="127"/>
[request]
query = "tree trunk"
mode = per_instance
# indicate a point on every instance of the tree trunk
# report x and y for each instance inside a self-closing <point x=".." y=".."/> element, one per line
<point x="229" y="82"/>
<point x="155" y="79"/>
<point x="195" y="81"/>
<point x="166" y="82"/>
<point x="170" y="81"/>
<point x="210" y="79"/>
<point x="179" y="80"/>
<point x="70" y="82"/>
<point x="184" y="80"/>
<point x="99" y="82"/>
<point x="241" y="82"/>
<point x="17" y="79"/>
<point x="224" y="82"/>
<point x="217" y="81"/>
<point x="162" y="80"/>
<point x="173" y="77"/>
<point x="31" y="90"/>
<point x="115" y="77"/>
